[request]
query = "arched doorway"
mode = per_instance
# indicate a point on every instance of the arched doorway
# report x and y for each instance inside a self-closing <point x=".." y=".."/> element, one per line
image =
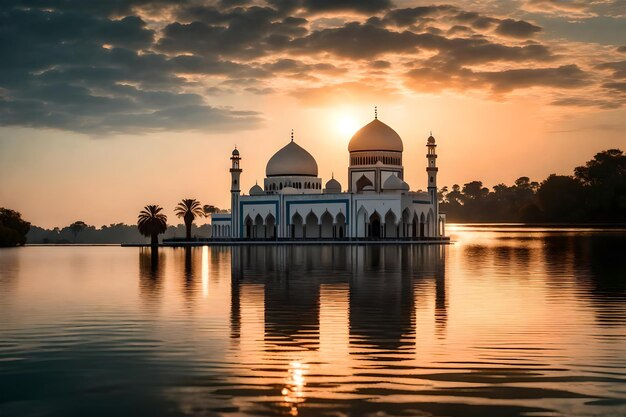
<point x="297" y="228"/>
<point x="340" y="226"/>
<point x="259" y="229"/>
<point x="312" y="228"/>
<point x="375" y="228"/>
<point x="327" y="225"/>
<point x="406" y="223"/>
<point x="390" y="230"/>
<point x="248" y="225"/>
<point x="270" y="226"/>
<point x="422" y="225"/>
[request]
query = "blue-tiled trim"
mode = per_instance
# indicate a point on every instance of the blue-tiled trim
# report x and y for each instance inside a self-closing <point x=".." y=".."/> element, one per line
<point x="242" y="203"/>
<point x="344" y="201"/>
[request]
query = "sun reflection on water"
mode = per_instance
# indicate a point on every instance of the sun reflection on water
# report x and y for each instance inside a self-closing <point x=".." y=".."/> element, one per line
<point x="293" y="391"/>
<point x="205" y="271"/>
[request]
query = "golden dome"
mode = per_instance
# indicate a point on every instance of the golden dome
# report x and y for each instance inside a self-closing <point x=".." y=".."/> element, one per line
<point x="375" y="136"/>
<point x="291" y="160"/>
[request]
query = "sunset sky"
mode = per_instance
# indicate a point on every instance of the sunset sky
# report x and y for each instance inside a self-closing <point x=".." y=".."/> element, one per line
<point x="106" y="106"/>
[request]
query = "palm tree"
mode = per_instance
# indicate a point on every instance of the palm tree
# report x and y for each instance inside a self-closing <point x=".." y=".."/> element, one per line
<point x="189" y="209"/>
<point x="151" y="222"/>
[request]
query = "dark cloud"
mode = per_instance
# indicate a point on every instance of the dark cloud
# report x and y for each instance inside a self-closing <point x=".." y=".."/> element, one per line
<point x="618" y="68"/>
<point x="565" y="76"/>
<point x="432" y="79"/>
<point x="587" y="102"/>
<point x="363" y="6"/>
<point x="94" y="7"/>
<point x="617" y="86"/>
<point x="365" y="41"/>
<point x="622" y="49"/>
<point x="410" y="16"/>
<point x="243" y="33"/>
<point x="356" y="40"/>
<point x="517" y="28"/>
<point x="380" y="64"/>
<point x="78" y="71"/>
<point x="315" y="6"/>
<point x="97" y="66"/>
<point x="292" y="66"/>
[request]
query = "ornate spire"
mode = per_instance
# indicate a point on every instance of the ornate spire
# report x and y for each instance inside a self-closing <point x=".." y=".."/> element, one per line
<point x="376" y="112"/>
<point x="292" y="135"/>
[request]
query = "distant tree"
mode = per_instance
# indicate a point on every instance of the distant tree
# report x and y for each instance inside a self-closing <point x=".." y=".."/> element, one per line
<point x="151" y="223"/>
<point x="189" y="209"/>
<point x="604" y="179"/>
<point x="561" y="198"/>
<point x="455" y="196"/>
<point x="77" y="227"/>
<point x="12" y="228"/>
<point x="210" y="209"/>
<point x="474" y="190"/>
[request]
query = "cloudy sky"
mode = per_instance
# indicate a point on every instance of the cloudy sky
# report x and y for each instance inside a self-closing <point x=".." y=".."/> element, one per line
<point x="106" y="106"/>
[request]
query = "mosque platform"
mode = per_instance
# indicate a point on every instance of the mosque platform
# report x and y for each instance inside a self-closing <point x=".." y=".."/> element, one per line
<point x="297" y="242"/>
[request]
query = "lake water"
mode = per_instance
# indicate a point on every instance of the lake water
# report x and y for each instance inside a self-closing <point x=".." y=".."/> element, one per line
<point x="505" y="322"/>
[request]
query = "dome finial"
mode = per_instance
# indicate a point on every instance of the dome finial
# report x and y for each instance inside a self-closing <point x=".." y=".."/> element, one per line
<point x="376" y="112"/>
<point x="292" y="135"/>
<point x="332" y="174"/>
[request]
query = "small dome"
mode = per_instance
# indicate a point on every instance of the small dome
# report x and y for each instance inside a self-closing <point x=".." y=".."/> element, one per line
<point x="235" y="152"/>
<point x="376" y="136"/>
<point x="333" y="186"/>
<point x="394" y="183"/>
<point x="431" y="139"/>
<point x="292" y="159"/>
<point x="256" y="190"/>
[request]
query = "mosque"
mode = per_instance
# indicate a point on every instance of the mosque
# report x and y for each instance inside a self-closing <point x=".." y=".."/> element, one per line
<point x="377" y="204"/>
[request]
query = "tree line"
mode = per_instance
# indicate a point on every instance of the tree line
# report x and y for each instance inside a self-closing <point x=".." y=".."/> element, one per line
<point x="595" y="193"/>
<point x="81" y="232"/>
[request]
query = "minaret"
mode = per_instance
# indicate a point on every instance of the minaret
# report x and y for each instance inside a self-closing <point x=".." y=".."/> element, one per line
<point x="431" y="170"/>
<point x="235" y="192"/>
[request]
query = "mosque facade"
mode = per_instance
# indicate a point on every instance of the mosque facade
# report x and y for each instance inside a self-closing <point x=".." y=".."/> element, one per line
<point x="377" y="204"/>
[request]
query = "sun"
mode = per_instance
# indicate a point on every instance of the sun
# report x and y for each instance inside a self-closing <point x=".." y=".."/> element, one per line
<point x="347" y="125"/>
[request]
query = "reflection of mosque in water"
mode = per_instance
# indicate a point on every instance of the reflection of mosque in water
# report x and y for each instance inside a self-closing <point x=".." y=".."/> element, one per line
<point x="381" y="285"/>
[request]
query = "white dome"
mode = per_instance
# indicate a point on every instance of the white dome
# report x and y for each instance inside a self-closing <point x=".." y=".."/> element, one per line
<point x="256" y="190"/>
<point x="291" y="160"/>
<point x="333" y="186"/>
<point x="394" y="183"/>
<point x="376" y="136"/>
